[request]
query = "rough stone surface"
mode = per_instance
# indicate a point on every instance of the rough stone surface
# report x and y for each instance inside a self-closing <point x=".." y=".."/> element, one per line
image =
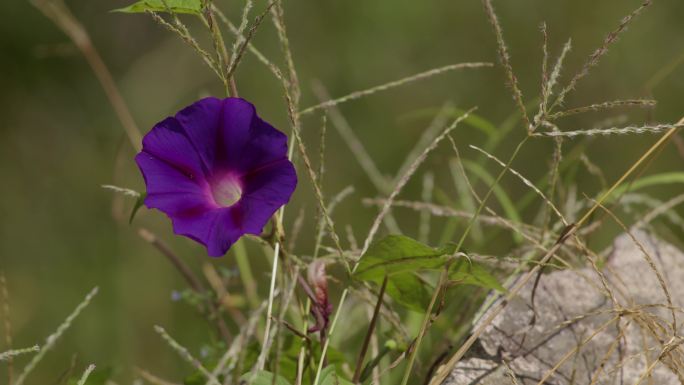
<point x="571" y="306"/>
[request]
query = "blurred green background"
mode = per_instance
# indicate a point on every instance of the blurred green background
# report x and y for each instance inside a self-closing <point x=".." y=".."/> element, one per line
<point x="60" y="140"/>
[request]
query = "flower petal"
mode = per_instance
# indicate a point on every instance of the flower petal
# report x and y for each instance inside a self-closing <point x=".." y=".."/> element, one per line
<point x="201" y="121"/>
<point x="266" y="145"/>
<point x="184" y="157"/>
<point x="171" y="190"/>
<point x="167" y="141"/>
<point x="216" y="229"/>
<point x="265" y="190"/>
<point x="235" y="130"/>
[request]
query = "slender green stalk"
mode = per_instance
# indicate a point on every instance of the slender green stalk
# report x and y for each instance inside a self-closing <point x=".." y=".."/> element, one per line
<point x="302" y="350"/>
<point x="424" y="326"/>
<point x="269" y="310"/>
<point x="327" y="341"/>
<point x="246" y="275"/>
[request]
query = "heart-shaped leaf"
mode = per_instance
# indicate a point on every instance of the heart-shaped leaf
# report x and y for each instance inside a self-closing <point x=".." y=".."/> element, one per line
<point x="396" y="254"/>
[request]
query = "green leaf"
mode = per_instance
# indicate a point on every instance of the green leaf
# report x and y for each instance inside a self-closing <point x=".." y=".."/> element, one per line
<point x="400" y="258"/>
<point x="397" y="254"/>
<point x="470" y="273"/>
<point x="651" y="180"/>
<point x="330" y="377"/>
<point x="176" y="6"/>
<point x="138" y="204"/>
<point x="263" y="378"/>
<point x="409" y="290"/>
<point x="99" y="376"/>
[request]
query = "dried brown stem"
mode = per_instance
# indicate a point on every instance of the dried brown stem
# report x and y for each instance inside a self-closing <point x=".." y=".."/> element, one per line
<point x="60" y="14"/>
<point x="192" y="280"/>
<point x="369" y="332"/>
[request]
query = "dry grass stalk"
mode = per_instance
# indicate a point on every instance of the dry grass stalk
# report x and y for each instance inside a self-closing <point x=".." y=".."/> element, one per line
<point x="9" y="354"/>
<point x="405" y="178"/>
<point x="505" y="59"/>
<point x="185" y="354"/>
<point x="643" y="103"/>
<point x="647" y="129"/>
<point x="525" y="181"/>
<point x="60" y="14"/>
<point x="86" y="374"/>
<point x="596" y="56"/>
<point x="237" y="55"/>
<point x="392" y="84"/>
<point x="54" y="337"/>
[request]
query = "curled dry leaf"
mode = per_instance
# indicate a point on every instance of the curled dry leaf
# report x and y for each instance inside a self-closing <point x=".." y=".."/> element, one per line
<point x="321" y="307"/>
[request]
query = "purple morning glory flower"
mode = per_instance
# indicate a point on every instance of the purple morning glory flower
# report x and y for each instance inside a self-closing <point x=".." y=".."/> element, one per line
<point x="217" y="170"/>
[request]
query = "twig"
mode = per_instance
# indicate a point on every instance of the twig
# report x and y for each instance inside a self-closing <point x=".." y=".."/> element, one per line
<point x="369" y="332"/>
<point x="175" y="260"/>
<point x="190" y="277"/>
<point x="58" y="12"/>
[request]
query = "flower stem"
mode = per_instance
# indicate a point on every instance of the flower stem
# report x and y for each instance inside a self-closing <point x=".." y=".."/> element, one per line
<point x="269" y="309"/>
<point x="246" y="275"/>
